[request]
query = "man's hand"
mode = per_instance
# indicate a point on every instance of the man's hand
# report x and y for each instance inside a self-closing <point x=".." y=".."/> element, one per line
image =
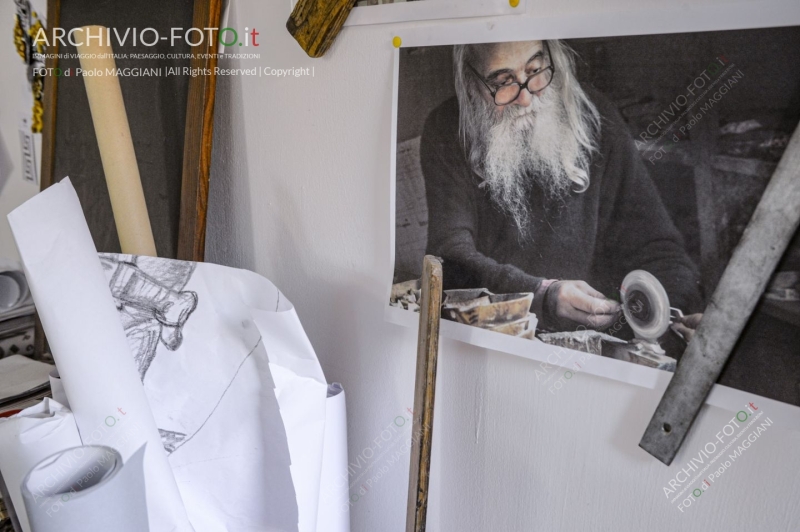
<point x="686" y="325"/>
<point x="578" y="302"/>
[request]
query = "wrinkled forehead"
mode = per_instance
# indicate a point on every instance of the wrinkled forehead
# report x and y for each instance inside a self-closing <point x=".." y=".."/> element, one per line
<point x="505" y="55"/>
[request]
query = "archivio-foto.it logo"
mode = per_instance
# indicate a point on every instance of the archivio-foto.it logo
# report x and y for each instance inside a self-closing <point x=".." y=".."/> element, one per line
<point x="148" y="36"/>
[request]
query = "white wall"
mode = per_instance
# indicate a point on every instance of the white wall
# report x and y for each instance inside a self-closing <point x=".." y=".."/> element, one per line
<point x="13" y="101"/>
<point x="300" y="194"/>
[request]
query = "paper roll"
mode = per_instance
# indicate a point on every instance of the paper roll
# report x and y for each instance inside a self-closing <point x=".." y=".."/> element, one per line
<point x="27" y="438"/>
<point x="88" y="489"/>
<point x="334" y="504"/>
<point x="57" y="388"/>
<point x="301" y="391"/>
<point x="90" y="347"/>
<point x="114" y="140"/>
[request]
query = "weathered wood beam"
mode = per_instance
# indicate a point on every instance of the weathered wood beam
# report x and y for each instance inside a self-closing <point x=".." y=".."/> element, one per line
<point x="765" y="239"/>
<point x="424" y="394"/>
<point x="315" y="23"/>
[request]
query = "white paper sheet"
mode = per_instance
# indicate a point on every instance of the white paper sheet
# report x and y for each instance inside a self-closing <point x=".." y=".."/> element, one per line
<point x="27" y="438"/>
<point x="240" y="399"/>
<point x="189" y="330"/>
<point x="234" y="386"/>
<point x="235" y="473"/>
<point x="88" y="489"/>
<point x="301" y="391"/>
<point x="89" y="344"/>
<point x="334" y="507"/>
<point x="208" y="377"/>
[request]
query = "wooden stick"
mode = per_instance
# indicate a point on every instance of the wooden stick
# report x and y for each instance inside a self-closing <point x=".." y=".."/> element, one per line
<point x="764" y="240"/>
<point x="114" y="140"/>
<point x="424" y="394"/>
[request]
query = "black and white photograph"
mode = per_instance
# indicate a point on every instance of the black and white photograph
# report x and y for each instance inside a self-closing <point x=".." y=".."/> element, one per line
<point x="589" y="193"/>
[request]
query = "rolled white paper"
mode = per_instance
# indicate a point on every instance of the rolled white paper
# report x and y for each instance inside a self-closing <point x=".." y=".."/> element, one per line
<point x="90" y="347"/>
<point x="28" y="437"/>
<point x="57" y="388"/>
<point x="301" y="390"/>
<point x="88" y="489"/>
<point x="334" y="504"/>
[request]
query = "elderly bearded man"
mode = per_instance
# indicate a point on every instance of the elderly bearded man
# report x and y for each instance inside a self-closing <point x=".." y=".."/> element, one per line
<point x="532" y="178"/>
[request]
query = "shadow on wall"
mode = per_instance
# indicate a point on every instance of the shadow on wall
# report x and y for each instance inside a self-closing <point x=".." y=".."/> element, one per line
<point x="229" y="231"/>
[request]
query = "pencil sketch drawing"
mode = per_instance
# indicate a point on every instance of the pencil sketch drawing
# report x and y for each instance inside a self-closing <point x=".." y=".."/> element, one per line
<point x="171" y="440"/>
<point x="189" y="330"/>
<point x="151" y="302"/>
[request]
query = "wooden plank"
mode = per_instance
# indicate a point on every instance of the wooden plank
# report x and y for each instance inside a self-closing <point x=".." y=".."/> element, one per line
<point x="50" y="103"/>
<point x="198" y="137"/>
<point x="424" y="394"/>
<point x="766" y="237"/>
<point x="50" y="97"/>
<point x="315" y="23"/>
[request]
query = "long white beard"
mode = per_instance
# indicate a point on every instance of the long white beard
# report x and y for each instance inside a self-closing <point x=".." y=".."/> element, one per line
<point x="523" y="147"/>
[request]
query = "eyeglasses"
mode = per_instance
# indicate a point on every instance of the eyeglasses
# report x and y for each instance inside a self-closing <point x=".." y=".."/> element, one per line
<point x="536" y="82"/>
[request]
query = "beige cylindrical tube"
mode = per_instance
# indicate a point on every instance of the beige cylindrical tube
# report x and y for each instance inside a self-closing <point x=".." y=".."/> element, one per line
<point x="114" y="139"/>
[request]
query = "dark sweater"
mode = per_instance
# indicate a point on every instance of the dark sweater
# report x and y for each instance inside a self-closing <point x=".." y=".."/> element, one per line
<point x="617" y="225"/>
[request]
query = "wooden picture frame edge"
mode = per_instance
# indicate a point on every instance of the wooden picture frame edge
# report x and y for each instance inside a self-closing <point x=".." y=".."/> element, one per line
<point x="198" y="138"/>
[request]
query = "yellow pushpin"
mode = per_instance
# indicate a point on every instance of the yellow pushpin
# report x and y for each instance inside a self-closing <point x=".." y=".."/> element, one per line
<point x="513" y="3"/>
<point x="397" y="41"/>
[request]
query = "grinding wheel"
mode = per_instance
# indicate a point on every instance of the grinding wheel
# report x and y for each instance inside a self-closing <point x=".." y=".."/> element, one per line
<point x="645" y="305"/>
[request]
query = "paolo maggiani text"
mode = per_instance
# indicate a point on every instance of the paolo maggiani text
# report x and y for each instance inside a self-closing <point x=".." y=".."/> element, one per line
<point x="178" y="71"/>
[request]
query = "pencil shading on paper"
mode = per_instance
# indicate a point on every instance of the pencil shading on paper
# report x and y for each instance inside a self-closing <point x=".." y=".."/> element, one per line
<point x="171" y="440"/>
<point x="152" y="304"/>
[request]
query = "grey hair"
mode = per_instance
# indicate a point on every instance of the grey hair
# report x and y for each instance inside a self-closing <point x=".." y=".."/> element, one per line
<point x="582" y="115"/>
